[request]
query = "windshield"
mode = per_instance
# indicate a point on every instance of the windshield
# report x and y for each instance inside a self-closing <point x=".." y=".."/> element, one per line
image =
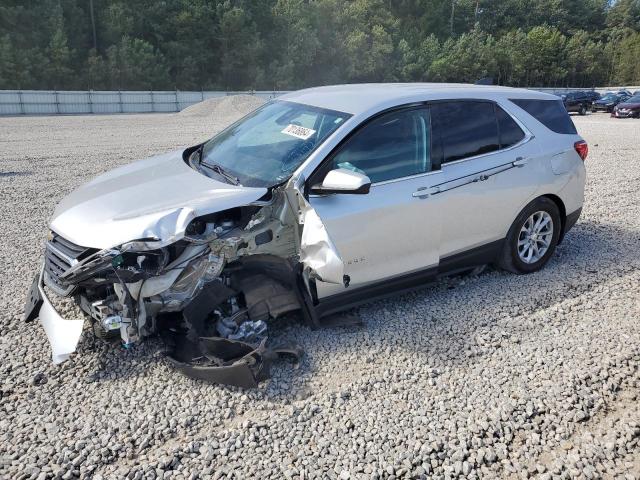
<point x="634" y="99"/>
<point x="609" y="97"/>
<point x="264" y="148"/>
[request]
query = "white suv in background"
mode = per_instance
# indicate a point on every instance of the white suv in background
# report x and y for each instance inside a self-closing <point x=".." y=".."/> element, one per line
<point x="318" y="201"/>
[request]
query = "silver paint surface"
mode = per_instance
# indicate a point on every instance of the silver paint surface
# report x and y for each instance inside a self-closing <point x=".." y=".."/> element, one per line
<point x="152" y="198"/>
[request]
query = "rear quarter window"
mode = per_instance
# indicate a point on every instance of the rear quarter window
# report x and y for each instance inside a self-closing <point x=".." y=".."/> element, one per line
<point x="551" y="113"/>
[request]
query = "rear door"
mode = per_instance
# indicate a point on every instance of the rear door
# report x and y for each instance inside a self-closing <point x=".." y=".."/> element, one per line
<point x="488" y="172"/>
<point x="395" y="228"/>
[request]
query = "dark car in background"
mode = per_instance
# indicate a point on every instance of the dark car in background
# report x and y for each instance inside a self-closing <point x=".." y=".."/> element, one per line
<point x="628" y="108"/>
<point x="608" y="102"/>
<point x="576" y="102"/>
<point x="592" y="95"/>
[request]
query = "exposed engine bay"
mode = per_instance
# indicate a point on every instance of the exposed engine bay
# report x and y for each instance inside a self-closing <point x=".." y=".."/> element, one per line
<point x="210" y="294"/>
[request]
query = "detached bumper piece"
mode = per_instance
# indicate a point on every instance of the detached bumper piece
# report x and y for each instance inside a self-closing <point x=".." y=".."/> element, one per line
<point x="228" y="362"/>
<point x="34" y="301"/>
<point x="63" y="334"/>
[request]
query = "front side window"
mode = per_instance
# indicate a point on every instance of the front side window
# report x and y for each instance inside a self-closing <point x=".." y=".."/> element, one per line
<point x="264" y="148"/>
<point x="394" y="145"/>
<point x="465" y="129"/>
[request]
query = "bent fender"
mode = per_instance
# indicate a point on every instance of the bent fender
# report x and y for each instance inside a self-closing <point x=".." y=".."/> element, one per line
<point x="318" y="253"/>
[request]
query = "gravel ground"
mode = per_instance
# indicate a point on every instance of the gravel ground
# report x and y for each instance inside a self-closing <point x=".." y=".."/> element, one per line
<point x="492" y="376"/>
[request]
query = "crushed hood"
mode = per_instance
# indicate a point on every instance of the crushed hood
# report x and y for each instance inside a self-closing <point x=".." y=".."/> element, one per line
<point x="152" y="198"/>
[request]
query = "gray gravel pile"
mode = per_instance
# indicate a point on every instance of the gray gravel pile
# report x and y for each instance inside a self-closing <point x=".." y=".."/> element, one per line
<point x="491" y="376"/>
<point x="223" y="107"/>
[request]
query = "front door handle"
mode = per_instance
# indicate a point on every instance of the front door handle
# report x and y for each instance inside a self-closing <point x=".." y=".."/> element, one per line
<point x="424" y="192"/>
<point x="520" y="162"/>
<point x="481" y="178"/>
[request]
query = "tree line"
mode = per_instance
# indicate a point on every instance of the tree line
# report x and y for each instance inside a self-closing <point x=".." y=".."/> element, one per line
<point x="290" y="44"/>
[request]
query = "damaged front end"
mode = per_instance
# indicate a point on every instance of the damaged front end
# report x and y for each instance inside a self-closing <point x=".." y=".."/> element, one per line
<point x="210" y="292"/>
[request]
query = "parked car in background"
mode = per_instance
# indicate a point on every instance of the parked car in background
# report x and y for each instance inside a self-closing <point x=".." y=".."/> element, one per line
<point x="577" y="102"/>
<point x="608" y="102"/>
<point x="316" y="202"/>
<point x="592" y="95"/>
<point x="629" y="108"/>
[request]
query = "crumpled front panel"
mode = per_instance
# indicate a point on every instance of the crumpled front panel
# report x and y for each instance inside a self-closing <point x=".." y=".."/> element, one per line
<point x="318" y="253"/>
<point x="317" y="250"/>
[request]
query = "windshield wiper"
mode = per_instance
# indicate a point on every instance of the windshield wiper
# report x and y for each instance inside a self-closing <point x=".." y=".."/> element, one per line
<point x="220" y="171"/>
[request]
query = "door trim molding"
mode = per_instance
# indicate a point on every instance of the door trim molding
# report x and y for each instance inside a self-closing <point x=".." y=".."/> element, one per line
<point x="448" y="265"/>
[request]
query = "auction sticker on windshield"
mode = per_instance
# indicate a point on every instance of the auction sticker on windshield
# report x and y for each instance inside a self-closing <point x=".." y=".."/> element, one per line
<point x="298" y="131"/>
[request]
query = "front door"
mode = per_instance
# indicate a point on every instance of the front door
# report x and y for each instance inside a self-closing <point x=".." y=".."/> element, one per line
<point x="395" y="228"/>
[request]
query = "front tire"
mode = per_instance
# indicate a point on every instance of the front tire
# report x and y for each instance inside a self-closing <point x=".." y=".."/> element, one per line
<point x="532" y="238"/>
<point x="583" y="110"/>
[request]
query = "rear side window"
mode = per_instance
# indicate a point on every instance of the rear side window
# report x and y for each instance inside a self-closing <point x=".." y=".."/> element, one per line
<point x="551" y="113"/>
<point x="510" y="132"/>
<point x="465" y="129"/>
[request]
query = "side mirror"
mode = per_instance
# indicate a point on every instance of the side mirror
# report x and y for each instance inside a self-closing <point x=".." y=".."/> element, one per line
<point x="342" y="180"/>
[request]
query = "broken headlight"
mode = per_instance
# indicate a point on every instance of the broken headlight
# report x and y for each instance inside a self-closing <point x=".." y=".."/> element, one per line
<point x="132" y="266"/>
<point x="141" y="245"/>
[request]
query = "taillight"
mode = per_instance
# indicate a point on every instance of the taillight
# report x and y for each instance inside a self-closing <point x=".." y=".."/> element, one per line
<point x="582" y="148"/>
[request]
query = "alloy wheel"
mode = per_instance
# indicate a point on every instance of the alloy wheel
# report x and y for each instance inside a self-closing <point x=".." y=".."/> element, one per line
<point x="535" y="237"/>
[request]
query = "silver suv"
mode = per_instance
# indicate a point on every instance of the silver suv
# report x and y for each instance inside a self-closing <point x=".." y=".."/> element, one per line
<point x="316" y="202"/>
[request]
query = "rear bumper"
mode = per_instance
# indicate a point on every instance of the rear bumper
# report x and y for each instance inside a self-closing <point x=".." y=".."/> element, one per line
<point x="576" y="108"/>
<point x="571" y="220"/>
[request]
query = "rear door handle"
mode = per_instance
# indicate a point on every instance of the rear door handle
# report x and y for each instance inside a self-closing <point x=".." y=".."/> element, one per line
<point x="520" y="162"/>
<point x="424" y="192"/>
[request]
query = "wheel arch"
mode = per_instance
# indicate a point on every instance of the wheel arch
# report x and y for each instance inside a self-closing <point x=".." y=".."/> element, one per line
<point x="507" y="259"/>
<point x="563" y="213"/>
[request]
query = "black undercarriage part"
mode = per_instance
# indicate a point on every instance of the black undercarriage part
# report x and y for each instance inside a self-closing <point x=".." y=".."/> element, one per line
<point x="199" y="353"/>
<point x="229" y="362"/>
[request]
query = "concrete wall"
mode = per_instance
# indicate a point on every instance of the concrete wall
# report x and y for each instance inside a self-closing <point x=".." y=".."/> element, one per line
<point x="49" y="102"/>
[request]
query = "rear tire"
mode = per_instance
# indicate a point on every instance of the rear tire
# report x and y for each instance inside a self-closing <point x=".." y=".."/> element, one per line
<point x="583" y="110"/>
<point x="532" y="238"/>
